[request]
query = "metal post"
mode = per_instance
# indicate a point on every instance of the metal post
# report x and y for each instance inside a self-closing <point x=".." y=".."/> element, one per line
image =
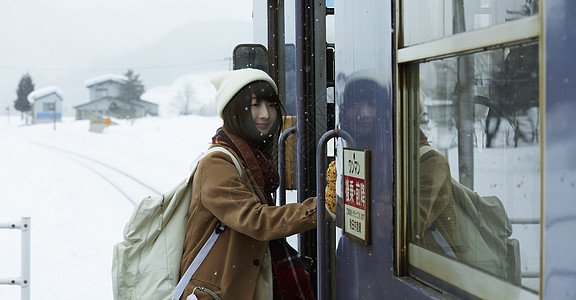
<point x="465" y="104"/>
<point x="321" y="239"/>
<point x="24" y="279"/>
<point x="25" y="268"/>
<point x="54" y="115"/>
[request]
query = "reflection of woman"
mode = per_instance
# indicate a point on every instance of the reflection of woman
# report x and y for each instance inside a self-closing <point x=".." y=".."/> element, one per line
<point x="359" y="110"/>
<point x="436" y="203"/>
<point x="360" y="115"/>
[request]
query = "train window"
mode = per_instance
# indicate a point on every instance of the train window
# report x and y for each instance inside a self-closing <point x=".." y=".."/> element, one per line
<point x="478" y="140"/>
<point x="430" y="20"/>
<point x="250" y="56"/>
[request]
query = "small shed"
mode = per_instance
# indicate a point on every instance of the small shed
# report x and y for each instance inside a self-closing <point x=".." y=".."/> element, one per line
<point x="46" y="104"/>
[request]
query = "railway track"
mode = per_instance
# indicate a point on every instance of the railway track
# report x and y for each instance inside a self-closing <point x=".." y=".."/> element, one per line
<point x="126" y="184"/>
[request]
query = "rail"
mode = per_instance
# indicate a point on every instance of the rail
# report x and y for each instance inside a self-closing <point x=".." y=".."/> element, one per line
<point x="24" y="279"/>
<point x="116" y="177"/>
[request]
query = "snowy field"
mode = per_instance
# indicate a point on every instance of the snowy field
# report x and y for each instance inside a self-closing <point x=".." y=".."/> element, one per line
<point x="68" y="180"/>
<point x="58" y="178"/>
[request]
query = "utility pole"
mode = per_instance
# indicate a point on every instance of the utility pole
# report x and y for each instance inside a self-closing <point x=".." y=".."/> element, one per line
<point x="54" y="114"/>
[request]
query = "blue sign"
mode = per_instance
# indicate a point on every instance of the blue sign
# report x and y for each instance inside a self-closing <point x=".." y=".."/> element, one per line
<point x="49" y="114"/>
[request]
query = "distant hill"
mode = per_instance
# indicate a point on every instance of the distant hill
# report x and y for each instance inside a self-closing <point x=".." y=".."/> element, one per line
<point x="197" y="48"/>
<point x="191" y="53"/>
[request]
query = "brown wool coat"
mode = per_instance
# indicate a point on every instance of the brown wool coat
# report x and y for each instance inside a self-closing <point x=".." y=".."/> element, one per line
<point x="219" y="193"/>
<point x="436" y="203"/>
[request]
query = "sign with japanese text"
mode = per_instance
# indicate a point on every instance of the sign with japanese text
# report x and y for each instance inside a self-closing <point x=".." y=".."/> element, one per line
<point x="357" y="194"/>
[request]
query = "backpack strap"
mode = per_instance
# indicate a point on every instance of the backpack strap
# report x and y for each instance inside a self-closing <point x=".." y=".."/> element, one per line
<point x="424" y="149"/>
<point x="198" y="260"/>
<point x="222" y="149"/>
<point x="213" y="149"/>
<point x="213" y="237"/>
<point x="442" y="242"/>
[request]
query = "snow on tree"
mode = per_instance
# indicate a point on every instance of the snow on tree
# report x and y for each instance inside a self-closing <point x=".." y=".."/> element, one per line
<point x="130" y="91"/>
<point x="132" y="88"/>
<point x="25" y="87"/>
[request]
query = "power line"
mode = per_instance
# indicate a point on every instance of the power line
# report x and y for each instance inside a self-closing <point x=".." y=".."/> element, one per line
<point x="226" y="59"/>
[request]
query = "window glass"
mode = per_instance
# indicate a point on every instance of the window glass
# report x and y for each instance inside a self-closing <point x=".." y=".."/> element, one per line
<point x="479" y="131"/>
<point x="48" y="106"/>
<point x="363" y="72"/>
<point x="101" y="93"/>
<point x="430" y="20"/>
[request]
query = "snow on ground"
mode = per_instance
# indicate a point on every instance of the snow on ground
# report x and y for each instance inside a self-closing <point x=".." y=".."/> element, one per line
<point x="76" y="215"/>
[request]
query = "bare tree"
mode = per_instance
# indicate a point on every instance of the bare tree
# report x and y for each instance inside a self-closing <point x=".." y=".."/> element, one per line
<point x="184" y="98"/>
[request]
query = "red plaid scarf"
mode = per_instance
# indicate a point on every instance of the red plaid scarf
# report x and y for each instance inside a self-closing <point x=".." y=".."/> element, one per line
<point x="290" y="279"/>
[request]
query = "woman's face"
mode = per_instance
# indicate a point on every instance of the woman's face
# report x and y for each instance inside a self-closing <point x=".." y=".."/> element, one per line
<point x="264" y="114"/>
<point x="362" y="115"/>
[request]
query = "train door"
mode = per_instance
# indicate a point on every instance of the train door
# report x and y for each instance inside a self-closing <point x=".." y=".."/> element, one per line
<point x="364" y="92"/>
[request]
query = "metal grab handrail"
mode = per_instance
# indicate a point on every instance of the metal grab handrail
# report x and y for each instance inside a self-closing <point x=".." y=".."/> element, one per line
<point x="24" y="279"/>
<point x="282" y="164"/>
<point x="321" y="240"/>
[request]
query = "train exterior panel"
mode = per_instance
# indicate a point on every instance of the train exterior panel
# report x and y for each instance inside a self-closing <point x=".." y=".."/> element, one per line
<point x="558" y="265"/>
<point x="489" y="86"/>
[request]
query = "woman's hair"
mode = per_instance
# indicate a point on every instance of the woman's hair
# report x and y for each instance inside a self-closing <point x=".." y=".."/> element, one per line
<point x="237" y="116"/>
<point x="357" y="92"/>
<point x="362" y="90"/>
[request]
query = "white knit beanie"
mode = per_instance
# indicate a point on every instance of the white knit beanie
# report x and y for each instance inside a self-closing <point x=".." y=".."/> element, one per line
<point x="228" y="83"/>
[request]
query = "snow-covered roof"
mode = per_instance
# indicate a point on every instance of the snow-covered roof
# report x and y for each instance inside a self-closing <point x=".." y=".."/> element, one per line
<point x="44" y="92"/>
<point x="103" y="78"/>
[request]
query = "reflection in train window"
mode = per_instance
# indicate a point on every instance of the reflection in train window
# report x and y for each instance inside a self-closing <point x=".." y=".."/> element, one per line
<point x="425" y="21"/>
<point x="478" y="142"/>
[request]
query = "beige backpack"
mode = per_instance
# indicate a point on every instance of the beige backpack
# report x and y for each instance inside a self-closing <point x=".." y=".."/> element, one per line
<point x="146" y="265"/>
<point x="483" y="233"/>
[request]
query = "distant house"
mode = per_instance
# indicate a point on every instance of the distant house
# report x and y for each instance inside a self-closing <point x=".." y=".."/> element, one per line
<point x="105" y="100"/>
<point x="46" y="104"/>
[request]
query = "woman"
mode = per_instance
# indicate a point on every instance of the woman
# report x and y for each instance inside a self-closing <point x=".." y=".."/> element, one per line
<point x="250" y="259"/>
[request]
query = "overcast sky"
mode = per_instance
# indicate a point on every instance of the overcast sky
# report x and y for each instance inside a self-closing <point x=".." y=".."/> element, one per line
<point x="62" y="36"/>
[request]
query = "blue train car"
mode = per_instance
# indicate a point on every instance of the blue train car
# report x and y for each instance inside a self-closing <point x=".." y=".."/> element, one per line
<point x="417" y="101"/>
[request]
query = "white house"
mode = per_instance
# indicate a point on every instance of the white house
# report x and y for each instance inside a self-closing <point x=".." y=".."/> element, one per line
<point x="105" y="100"/>
<point x="46" y="104"/>
<point x="104" y="86"/>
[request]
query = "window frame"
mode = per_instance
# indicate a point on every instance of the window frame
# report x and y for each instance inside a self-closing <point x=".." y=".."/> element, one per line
<point x="412" y="260"/>
<point x="509" y="33"/>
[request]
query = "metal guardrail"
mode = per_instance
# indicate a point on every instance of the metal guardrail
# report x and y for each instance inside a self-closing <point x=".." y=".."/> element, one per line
<point x="24" y="279"/>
